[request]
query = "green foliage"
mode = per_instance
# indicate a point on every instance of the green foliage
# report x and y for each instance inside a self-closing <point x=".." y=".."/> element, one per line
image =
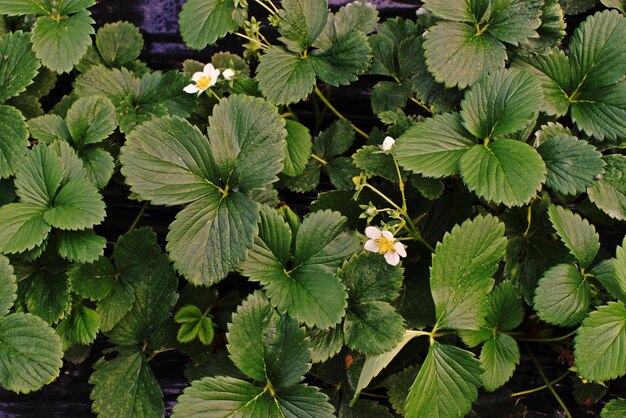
<point x="194" y="324"/>
<point x="203" y="22"/>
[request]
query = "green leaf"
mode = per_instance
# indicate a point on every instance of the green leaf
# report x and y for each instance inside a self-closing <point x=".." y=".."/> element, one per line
<point x="578" y="235"/>
<point x="461" y="271"/>
<point x="48" y="295"/>
<point x="178" y="152"/>
<point x="299" y="145"/>
<point x="456" y="10"/>
<point x="356" y="16"/>
<point x="284" y="77"/>
<point x="615" y="408"/>
<point x="77" y="206"/>
<point x="100" y="166"/>
<point x="574" y="7"/>
<point x="74" y="6"/>
<point x="398" y="386"/>
<point x="598" y="347"/>
<point x="115" y="305"/>
<point x="24" y="7"/>
<point x="515" y="21"/>
<point x="502" y="103"/>
<point x="61" y="44"/>
<point x="22" y="227"/>
<point x="372" y="327"/>
<point x="551" y="31"/>
<point x="49" y="128"/>
<point x="620" y="269"/>
<point x="609" y="191"/>
<point x="334" y="140"/>
<point x="446" y="384"/>
<point x="80" y="246"/>
<point x="344" y="61"/>
<point x="247" y="138"/>
<point x="301" y="21"/>
<point x="93" y="280"/>
<point x="19" y="65"/>
<point x="80" y="327"/>
<point x="374" y="162"/>
<point x="203" y="22"/>
<point x="119" y="43"/>
<point x="325" y="343"/>
<point x="572" y="163"/>
<point x="193" y="325"/>
<point x="562" y="296"/>
<point x="31" y="354"/>
<point x="39" y="177"/>
<point x="260" y="341"/>
<point x="499" y="357"/>
<point x="341" y="171"/>
<point x="600" y="111"/>
<point x="8" y="286"/>
<point x="388" y="95"/>
<point x="114" y="83"/>
<point x="210" y="237"/>
<point x="13" y="140"/>
<point x="135" y="392"/>
<point x="505" y="311"/>
<point x="504" y="171"/>
<point x="91" y="120"/>
<point x="453" y="45"/>
<point x="435" y="146"/>
<point x="608" y="273"/>
<point x="304" y="401"/>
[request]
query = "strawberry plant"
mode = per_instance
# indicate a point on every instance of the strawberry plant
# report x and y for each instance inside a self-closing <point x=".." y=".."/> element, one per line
<point x="407" y="262"/>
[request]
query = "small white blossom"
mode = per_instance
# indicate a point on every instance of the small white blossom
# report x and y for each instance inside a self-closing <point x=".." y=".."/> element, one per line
<point x="203" y="80"/>
<point x="388" y="144"/>
<point x="422" y="11"/>
<point x="383" y="242"/>
<point x="228" y="74"/>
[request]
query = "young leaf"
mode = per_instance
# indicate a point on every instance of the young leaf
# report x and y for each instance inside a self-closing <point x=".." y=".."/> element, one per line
<point x="598" y="345"/>
<point x="193" y="325"/>
<point x="80" y="327"/>
<point x="60" y="44"/>
<point x="260" y="341"/>
<point x="13" y="140"/>
<point x="577" y="234"/>
<point x="90" y="120"/>
<point x="446" y="384"/>
<point x="49" y="128"/>
<point x="434" y="147"/>
<point x="8" y="286"/>
<point x="31" y="354"/>
<point x="461" y="271"/>
<point x="203" y="22"/>
<point x="19" y="65"/>
<point x="504" y="171"/>
<point x="609" y="191"/>
<point x="299" y="145"/>
<point x="135" y="392"/>
<point x="500" y="104"/>
<point x="284" y="77"/>
<point x="77" y="206"/>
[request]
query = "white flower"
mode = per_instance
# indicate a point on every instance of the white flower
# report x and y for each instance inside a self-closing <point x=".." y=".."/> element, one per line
<point x="388" y="144"/>
<point x="203" y="79"/>
<point x="383" y="242"/>
<point x="228" y="74"/>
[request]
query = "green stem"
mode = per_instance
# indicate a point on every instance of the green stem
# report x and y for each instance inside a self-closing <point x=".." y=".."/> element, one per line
<point x="214" y="94"/>
<point x="400" y="184"/>
<point x="321" y="160"/>
<point x="529" y="217"/>
<point x="421" y="104"/>
<point x="547" y="340"/>
<point x="384" y="196"/>
<point x="265" y="6"/>
<point x="548" y="384"/>
<point x="138" y="217"/>
<point x="332" y="108"/>
<point x="261" y="44"/>
<point x="540" y="388"/>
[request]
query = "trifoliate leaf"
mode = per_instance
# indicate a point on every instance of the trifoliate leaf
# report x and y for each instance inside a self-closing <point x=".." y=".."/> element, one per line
<point x="598" y="345"/>
<point x="13" y="140"/>
<point x="119" y="43"/>
<point x="77" y="206"/>
<point x="501" y="104"/>
<point x="90" y="120"/>
<point x="22" y="227"/>
<point x="562" y="296"/>
<point x="577" y="234"/>
<point x="260" y="341"/>
<point x="572" y="163"/>
<point x="93" y="280"/>
<point x="385" y="44"/>
<point x="461" y="271"/>
<point x="136" y="392"/>
<point x="80" y="327"/>
<point x="202" y="23"/>
<point x="301" y="22"/>
<point x="61" y="44"/>
<point x="31" y="353"/>
<point x="446" y="384"/>
<point x="99" y="165"/>
<point x="19" y="65"/>
<point x="344" y="61"/>
<point x="453" y="45"/>
<point x="193" y="325"/>
<point x="80" y="246"/>
<point x="498" y="358"/>
<point x="609" y="191"/>
<point x="8" y="286"/>
<point x="210" y="237"/>
<point x="615" y="408"/>
<point x="49" y="128"/>
<point x="504" y="171"/>
<point x="298" y="148"/>
<point x="434" y="147"/>
<point x="284" y="77"/>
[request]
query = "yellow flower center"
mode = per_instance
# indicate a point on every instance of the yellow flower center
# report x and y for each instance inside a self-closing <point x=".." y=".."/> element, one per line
<point x="385" y="245"/>
<point x="203" y="83"/>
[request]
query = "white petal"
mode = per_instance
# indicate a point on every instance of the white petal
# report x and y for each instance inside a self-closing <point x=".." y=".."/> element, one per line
<point x="392" y="258"/>
<point x="200" y="91"/>
<point x="388" y="235"/>
<point x="191" y="88"/>
<point x="197" y="76"/>
<point x="388" y="143"/>
<point x="228" y="74"/>
<point x="371" y="245"/>
<point x="214" y="76"/>
<point x="372" y="232"/>
<point x="399" y="247"/>
<point x="208" y="69"/>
